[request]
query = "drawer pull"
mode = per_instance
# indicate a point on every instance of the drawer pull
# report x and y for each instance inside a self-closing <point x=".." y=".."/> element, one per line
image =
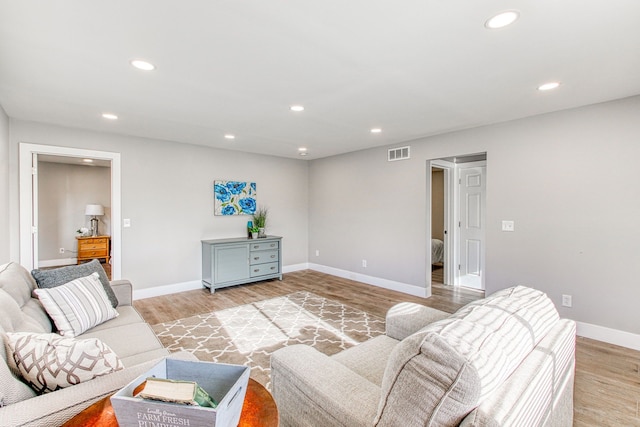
<point x="273" y="256"/>
<point x="256" y="258"/>
<point x="273" y="268"/>
<point x="273" y="245"/>
<point x="256" y="270"/>
<point x="255" y="246"/>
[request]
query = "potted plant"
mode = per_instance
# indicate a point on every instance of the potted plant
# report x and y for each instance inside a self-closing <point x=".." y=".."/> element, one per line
<point x="260" y="220"/>
<point x="254" y="232"/>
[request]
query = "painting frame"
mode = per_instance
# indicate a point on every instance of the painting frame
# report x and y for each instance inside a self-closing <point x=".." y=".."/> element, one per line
<point x="232" y="197"/>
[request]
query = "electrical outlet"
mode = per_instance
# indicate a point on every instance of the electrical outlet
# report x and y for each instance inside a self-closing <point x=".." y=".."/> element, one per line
<point x="61" y="250"/>
<point x="317" y="252"/>
<point x="566" y="301"/>
<point x="364" y="263"/>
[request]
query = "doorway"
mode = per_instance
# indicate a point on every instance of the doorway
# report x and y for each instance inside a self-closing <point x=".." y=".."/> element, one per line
<point x="30" y="224"/>
<point x="457" y="219"/>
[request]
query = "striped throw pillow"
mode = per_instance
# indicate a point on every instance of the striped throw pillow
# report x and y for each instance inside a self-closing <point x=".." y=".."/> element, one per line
<point x="77" y="306"/>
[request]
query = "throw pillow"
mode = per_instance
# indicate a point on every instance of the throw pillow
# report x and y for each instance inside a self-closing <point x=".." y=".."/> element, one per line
<point x="60" y="276"/>
<point x="77" y="306"/>
<point x="49" y="362"/>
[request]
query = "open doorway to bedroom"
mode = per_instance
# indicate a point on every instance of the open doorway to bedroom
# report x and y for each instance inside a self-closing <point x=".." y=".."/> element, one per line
<point x="30" y="222"/>
<point x="457" y="196"/>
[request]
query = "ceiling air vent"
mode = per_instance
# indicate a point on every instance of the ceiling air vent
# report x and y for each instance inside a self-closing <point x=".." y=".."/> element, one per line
<point x="400" y="153"/>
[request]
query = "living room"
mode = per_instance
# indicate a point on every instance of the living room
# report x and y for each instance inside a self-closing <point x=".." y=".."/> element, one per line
<point x="565" y="177"/>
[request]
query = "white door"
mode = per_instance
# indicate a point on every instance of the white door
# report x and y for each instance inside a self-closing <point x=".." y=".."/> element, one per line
<point x="471" y="235"/>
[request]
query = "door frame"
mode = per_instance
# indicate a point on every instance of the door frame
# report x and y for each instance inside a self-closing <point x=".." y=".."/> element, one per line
<point x="450" y="202"/>
<point x="28" y="204"/>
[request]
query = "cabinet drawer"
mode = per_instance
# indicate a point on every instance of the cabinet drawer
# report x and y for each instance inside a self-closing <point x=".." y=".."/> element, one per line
<point x="262" y="257"/>
<point x="93" y="246"/>
<point x="262" y="246"/>
<point x="100" y="253"/>
<point x="262" y="269"/>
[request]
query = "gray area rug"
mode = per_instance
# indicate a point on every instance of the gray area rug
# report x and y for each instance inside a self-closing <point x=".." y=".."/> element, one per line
<point x="248" y="334"/>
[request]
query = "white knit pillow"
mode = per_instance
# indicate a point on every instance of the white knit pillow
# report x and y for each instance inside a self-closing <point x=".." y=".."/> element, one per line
<point x="49" y="362"/>
<point x="78" y="305"/>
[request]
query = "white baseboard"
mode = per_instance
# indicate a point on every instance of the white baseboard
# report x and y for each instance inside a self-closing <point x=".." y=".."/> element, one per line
<point x="375" y="281"/>
<point x="166" y="289"/>
<point x="608" y="335"/>
<point x="295" y="267"/>
<point x="57" y="262"/>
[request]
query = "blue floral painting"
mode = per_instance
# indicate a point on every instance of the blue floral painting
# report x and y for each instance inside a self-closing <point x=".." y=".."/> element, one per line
<point x="234" y="197"/>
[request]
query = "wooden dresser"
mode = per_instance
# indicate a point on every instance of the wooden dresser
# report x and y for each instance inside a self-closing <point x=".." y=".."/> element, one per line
<point x="93" y="248"/>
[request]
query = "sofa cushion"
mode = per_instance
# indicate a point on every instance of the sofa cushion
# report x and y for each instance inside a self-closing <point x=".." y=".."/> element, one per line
<point x="443" y="371"/>
<point x="49" y="362"/>
<point x="59" y="276"/>
<point x="77" y="306"/>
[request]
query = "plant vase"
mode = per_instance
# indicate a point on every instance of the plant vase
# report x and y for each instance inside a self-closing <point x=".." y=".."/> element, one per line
<point x="261" y="233"/>
<point x="254" y="235"/>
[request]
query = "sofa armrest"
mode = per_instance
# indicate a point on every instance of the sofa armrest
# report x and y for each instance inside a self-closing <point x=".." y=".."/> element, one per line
<point x="123" y="290"/>
<point x="406" y="318"/>
<point x="310" y="388"/>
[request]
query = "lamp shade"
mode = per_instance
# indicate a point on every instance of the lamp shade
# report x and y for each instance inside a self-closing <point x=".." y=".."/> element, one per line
<point x="95" y="210"/>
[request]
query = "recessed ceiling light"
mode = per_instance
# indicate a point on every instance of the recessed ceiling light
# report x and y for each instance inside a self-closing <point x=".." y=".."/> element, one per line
<point x="143" y="65"/>
<point x="302" y="149"/>
<point x="502" y="19"/>
<point x="549" y="86"/>
<point x="376" y="130"/>
<point x="87" y="160"/>
<point x="229" y="136"/>
<point x="109" y="116"/>
<point x="297" y="108"/>
<point x="304" y="153"/>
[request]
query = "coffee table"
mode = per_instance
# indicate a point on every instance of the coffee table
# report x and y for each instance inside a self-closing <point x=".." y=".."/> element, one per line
<point x="259" y="409"/>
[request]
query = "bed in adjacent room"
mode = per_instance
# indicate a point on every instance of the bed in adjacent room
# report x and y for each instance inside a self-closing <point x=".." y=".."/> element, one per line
<point x="437" y="251"/>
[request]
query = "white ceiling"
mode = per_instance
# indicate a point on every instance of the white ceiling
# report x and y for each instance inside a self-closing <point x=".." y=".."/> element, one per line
<point x="411" y="67"/>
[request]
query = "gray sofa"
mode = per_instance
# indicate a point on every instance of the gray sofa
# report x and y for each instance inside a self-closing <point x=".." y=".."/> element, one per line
<point x="506" y="360"/>
<point x="128" y="336"/>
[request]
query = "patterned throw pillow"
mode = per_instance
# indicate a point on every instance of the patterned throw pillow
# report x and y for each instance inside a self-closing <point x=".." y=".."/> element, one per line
<point x="49" y="362"/>
<point x="59" y="276"/>
<point x="77" y="306"/>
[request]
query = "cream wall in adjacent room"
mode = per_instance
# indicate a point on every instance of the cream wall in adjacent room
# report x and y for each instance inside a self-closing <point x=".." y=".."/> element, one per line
<point x="167" y="193"/>
<point x="568" y="180"/>
<point x="64" y="191"/>
<point x="4" y="188"/>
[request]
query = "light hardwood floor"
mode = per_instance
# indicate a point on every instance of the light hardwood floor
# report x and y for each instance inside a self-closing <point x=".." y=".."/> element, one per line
<point x="607" y="386"/>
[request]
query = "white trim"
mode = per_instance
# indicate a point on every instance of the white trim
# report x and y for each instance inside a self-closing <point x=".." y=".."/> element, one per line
<point x="608" y="335"/>
<point x="375" y="281"/>
<point x="175" y="288"/>
<point x="26" y="151"/>
<point x="57" y="262"/>
<point x="295" y="267"/>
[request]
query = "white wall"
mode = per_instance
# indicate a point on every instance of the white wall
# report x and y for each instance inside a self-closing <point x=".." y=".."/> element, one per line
<point x="4" y="187"/>
<point x="64" y="191"/>
<point x="567" y="179"/>
<point x="167" y="192"/>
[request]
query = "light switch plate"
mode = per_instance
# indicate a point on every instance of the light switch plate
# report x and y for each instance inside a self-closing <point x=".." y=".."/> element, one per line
<point x="508" y="226"/>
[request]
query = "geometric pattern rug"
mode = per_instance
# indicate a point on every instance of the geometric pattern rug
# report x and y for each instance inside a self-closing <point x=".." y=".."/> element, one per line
<point x="248" y="334"/>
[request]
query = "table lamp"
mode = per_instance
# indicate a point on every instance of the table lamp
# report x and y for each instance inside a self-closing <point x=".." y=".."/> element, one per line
<point x="95" y="210"/>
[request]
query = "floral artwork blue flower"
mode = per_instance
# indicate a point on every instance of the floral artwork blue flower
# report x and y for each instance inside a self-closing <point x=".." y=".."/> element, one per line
<point x="236" y="187"/>
<point x="248" y="205"/>
<point x="234" y="198"/>
<point x="228" y="210"/>
<point x="222" y="193"/>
